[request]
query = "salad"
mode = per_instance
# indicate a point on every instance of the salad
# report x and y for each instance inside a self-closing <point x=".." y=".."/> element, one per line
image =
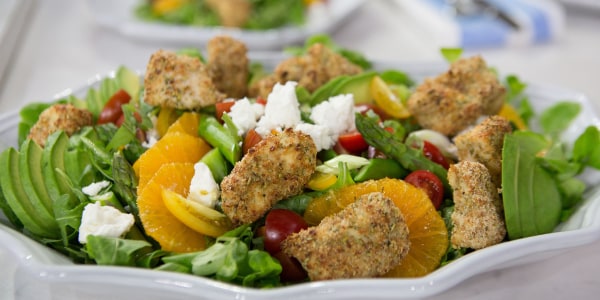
<point x="245" y="14"/>
<point x="319" y="169"/>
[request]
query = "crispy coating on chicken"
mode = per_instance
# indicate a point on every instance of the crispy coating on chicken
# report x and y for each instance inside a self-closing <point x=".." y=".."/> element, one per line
<point x="478" y="218"/>
<point x="178" y="81"/>
<point x="228" y="66"/>
<point x="483" y="143"/>
<point x="65" y="117"/>
<point x="366" y="239"/>
<point x="319" y="65"/>
<point x="276" y="168"/>
<point x="455" y="99"/>
<point x="232" y="13"/>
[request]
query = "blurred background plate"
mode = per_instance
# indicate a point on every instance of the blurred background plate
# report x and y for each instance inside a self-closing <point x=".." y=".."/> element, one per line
<point x="13" y="18"/>
<point x="119" y="16"/>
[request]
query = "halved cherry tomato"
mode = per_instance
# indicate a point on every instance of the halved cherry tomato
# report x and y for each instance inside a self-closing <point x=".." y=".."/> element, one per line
<point x="434" y="154"/>
<point x="223" y="107"/>
<point x="112" y="109"/>
<point x="261" y="100"/>
<point x="291" y="269"/>
<point x="353" y="142"/>
<point x="250" y="140"/>
<point x="279" y="224"/>
<point x="430" y="183"/>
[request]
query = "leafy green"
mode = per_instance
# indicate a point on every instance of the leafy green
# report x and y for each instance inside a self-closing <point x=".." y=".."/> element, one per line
<point x="230" y="259"/>
<point x="451" y="54"/>
<point x="396" y="77"/>
<point x="586" y="150"/>
<point x="515" y="88"/>
<point x="557" y="118"/>
<point x="114" y="251"/>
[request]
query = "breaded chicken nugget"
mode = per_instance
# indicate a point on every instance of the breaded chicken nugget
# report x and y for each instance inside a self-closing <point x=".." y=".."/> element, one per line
<point x="478" y="218"/>
<point x="366" y="239"/>
<point x="232" y="13"/>
<point x="228" y="66"/>
<point x="484" y="144"/>
<point x="455" y="99"/>
<point x="178" y="81"/>
<point x="319" y="65"/>
<point x="274" y="169"/>
<point x="65" y="117"/>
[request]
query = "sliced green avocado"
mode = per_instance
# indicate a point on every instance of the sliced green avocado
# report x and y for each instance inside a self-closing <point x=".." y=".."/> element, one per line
<point x="129" y="81"/>
<point x="32" y="180"/>
<point x="325" y="91"/>
<point x="357" y="85"/>
<point x="53" y="157"/>
<point x="16" y="197"/>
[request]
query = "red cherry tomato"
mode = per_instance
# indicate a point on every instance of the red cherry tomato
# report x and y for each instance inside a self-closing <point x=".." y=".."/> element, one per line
<point x="353" y="142"/>
<point x="250" y="140"/>
<point x="291" y="269"/>
<point x="279" y="224"/>
<point x="261" y="100"/>
<point x="223" y="107"/>
<point x="112" y="109"/>
<point x="430" y="183"/>
<point x="434" y="154"/>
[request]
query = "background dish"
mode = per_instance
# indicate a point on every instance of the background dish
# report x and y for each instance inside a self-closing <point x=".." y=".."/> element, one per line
<point x="119" y="15"/>
<point x="36" y="272"/>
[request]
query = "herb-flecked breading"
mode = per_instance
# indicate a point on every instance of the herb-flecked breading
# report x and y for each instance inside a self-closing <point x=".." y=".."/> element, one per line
<point x="178" y="81"/>
<point x="228" y="66"/>
<point x="483" y="143"/>
<point x="276" y="168"/>
<point x="319" y="65"/>
<point x="455" y="99"/>
<point x="65" y="117"/>
<point x="478" y="217"/>
<point x="366" y="239"/>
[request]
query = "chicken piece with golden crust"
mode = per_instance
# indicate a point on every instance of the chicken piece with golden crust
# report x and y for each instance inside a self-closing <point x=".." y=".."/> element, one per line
<point x="319" y="65"/>
<point x="483" y="143"/>
<point x="478" y="217"/>
<point x="228" y="66"/>
<point x="366" y="239"/>
<point x="455" y="99"/>
<point x="232" y="13"/>
<point x="65" y="117"/>
<point x="276" y="168"/>
<point x="179" y="81"/>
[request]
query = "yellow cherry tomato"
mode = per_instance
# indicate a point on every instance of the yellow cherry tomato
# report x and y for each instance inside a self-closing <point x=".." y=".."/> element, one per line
<point x="385" y="98"/>
<point x="510" y="113"/>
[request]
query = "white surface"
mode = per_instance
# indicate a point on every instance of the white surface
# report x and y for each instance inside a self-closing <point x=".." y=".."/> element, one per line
<point x="118" y="15"/>
<point x="63" y="48"/>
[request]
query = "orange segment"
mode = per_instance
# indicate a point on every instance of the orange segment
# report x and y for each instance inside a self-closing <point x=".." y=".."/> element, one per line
<point x="427" y="231"/>
<point x="158" y="222"/>
<point x="187" y="123"/>
<point x="173" y="147"/>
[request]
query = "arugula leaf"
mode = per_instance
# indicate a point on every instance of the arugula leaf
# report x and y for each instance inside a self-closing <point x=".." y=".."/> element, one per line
<point x="451" y="54"/>
<point x="586" y="150"/>
<point x="114" y="251"/>
<point x="557" y="118"/>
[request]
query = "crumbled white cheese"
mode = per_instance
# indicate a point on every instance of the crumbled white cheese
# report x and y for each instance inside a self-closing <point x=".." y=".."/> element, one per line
<point x="94" y="188"/>
<point x="282" y="109"/>
<point x="319" y="134"/>
<point x="245" y="115"/>
<point x="104" y="221"/>
<point x="152" y="137"/>
<point x="203" y="188"/>
<point x="337" y="114"/>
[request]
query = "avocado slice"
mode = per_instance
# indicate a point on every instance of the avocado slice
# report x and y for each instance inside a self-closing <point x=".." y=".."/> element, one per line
<point x="15" y="196"/>
<point x="32" y="180"/>
<point x="53" y="157"/>
<point x="325" y="91"/>
<point x="357" y="85"/>
<point x="129" y="81"/>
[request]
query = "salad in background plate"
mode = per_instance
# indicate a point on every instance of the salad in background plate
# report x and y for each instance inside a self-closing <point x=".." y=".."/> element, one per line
<point x="253" y="177"/>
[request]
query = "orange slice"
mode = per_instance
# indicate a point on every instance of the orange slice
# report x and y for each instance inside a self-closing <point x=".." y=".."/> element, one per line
<point x="173" y="147"/>
<point x="158" y="221"/>
<point x="186" y="123"/>
<point x="427" y="231"/>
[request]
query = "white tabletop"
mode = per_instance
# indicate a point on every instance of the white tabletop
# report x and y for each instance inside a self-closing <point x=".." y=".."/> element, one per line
<point x="62" y="48"/>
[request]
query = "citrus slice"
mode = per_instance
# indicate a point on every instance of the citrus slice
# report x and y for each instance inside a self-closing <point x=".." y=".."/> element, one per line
<point x="387" y="100"/>
<point x="166" y="117"/>
<point x="200" y="218"/>
<point x="159" y="223"/>
<point x="510" y="113"/>
<point x="427" y="231"/>
<point x="173" y="147"/>
<point x="186" y="123"/>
